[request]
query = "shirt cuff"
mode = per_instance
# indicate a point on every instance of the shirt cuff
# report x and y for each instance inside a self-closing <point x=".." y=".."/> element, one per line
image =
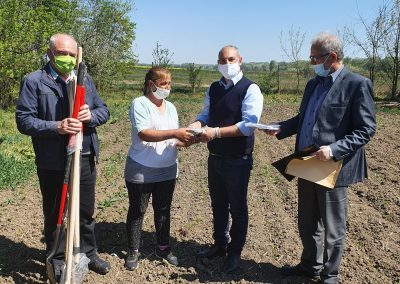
<point x="330" y="152"/>
<point x="246" y="131"/>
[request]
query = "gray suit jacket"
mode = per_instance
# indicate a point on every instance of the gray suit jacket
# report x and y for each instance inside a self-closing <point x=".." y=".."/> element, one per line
<point x="345" y="122"/>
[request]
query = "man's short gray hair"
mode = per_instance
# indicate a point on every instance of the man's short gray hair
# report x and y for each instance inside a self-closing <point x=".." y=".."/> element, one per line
<point x="328" y="42"/>
<point x="230" y="46"/>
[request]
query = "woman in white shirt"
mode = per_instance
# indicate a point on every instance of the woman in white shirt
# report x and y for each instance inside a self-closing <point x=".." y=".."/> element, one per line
<point x="151" y="165"/>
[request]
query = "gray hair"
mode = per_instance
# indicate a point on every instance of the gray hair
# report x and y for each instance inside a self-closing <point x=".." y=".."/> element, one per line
<point x="230" y="46"/>
<point x="328" y="42"/>
<point x="56" y="36"/>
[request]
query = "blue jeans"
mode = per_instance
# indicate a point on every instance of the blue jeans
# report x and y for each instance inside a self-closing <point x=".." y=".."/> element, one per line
<point x="228" y="179"/>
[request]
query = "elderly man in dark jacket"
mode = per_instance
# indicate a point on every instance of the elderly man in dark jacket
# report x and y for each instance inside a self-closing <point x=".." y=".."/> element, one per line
<point x="43" y="112"/>
<point x="337" y="114"/>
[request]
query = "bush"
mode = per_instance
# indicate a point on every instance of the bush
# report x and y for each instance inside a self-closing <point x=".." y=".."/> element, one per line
<point x="268" y="82"/>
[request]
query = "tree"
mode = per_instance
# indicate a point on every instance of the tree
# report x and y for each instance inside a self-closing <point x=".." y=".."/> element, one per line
<point x="102" y="27"/>
<point x="372" y="42"/>
<point x="391" y="44"/>
<point x="25" y="29"/>
<point x="268" y="82"/>
<point x="105" y="32"/>
<point x="194" y="76"/>
<point x="295" y="40"/>
<point x="273" y="65"/>
<point x="162" y="56"/>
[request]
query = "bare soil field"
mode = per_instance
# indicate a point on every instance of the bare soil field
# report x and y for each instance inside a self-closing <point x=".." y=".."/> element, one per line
<point x="372" y="253"/>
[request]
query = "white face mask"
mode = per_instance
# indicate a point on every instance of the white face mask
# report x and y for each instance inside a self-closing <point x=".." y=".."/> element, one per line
<point x="161" y="93"/>
<point x="320" y="70"/>
<point x="229" y="71"/>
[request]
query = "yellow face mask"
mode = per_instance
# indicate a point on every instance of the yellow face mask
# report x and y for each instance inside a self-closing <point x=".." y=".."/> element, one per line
<point x="64" y="63"/>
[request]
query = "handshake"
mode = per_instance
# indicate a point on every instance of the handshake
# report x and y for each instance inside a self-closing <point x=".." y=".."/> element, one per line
<point x="203" y="134"/>
<point x="194" y="133"/>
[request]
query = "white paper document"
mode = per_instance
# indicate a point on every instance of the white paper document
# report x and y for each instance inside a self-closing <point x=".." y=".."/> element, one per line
<point x="263" y="126"/>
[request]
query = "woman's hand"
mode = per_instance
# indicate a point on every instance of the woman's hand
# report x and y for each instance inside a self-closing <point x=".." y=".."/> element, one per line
<point x="183" y="135"/>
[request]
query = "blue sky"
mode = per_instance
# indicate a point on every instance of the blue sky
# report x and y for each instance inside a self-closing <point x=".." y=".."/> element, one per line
<point x="195" y="30"/>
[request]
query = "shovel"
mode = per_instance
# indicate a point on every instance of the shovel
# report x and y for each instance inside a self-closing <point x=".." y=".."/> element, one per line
<point x="76" y="263"/>
<point x="56" y="268"/>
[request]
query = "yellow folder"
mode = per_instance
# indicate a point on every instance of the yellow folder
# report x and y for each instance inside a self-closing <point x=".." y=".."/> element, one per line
<point x="302" y="165"/>
<point x="310" y="168"/>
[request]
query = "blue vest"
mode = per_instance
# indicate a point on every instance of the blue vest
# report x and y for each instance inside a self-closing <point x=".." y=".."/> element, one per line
<point x="226" y="110"/>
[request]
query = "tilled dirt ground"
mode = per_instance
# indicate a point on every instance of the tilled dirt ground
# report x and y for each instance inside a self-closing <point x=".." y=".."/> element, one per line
<point x="372" y="253"/>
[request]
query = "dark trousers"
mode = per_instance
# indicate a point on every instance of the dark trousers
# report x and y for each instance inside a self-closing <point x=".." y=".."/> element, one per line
<point x="228" y="179"/>
<point x="322" y="215"/>
<point x="50" y="186"/>
<point x="139" y="195"/>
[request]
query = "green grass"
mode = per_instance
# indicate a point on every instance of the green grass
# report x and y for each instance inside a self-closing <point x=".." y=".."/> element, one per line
<point x="16" y="153"/>
<point x="383" y="109"/>
<point x="274" y="179"/>
<point x="14" y="171"/>
<point x="112" y="199"/>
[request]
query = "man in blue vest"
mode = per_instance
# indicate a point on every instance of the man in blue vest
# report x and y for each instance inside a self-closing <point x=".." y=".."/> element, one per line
<point x="230" y="103"/>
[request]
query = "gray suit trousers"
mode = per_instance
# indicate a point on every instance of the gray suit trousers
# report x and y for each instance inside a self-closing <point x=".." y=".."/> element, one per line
<point x="322" y="215"/>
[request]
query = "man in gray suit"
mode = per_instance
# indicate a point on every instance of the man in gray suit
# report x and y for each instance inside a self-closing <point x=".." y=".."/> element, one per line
<point x="337" y="114"/>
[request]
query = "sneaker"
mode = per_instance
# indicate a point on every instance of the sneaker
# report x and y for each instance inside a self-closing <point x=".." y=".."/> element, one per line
<point x="132" y="260"/>
<point x="99" y="266"/>
<point x="167" y="255"/>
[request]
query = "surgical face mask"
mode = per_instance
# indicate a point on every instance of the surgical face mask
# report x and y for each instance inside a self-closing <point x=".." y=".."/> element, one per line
<point x="320" y="70"/>
<point x="229" y="71"/>
<point x="64" y="63"/>
<point x="161" y="93"/>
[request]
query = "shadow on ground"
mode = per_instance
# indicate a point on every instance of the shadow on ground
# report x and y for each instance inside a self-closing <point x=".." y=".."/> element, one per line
<point x="112" y="240"/>
<point x="22" y="263"/>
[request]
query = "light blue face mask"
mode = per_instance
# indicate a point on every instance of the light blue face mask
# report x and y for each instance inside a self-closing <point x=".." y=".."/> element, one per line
<point x="320" y="70"/>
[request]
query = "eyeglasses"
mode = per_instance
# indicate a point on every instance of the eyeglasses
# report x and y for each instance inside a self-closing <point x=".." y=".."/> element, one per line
<point x="316" y="57"/>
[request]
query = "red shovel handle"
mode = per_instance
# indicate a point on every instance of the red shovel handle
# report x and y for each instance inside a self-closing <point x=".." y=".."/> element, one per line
<point x="79" y="101"/>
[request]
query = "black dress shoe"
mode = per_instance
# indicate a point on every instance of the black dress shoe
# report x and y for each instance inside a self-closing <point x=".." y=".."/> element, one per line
<point x="299" y="271"/>
<point x="231" y="263"/>
<point x="99" y="266"/>
<point x="212" y="251"/>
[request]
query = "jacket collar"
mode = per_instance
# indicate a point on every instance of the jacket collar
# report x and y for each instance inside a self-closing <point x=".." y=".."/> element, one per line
<point x="48" y="79"/>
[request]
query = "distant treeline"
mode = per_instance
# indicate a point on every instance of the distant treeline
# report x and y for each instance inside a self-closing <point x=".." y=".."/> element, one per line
<point x="360" y="65"/>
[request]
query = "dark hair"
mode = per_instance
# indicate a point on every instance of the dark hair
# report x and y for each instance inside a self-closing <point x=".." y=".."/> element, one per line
<point x="154" y="74"/>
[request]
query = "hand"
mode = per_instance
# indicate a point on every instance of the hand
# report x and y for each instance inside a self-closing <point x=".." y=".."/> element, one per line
<point x="183" y="135"/>
<point x="271" y="132"/>
<point x="208" y="134"/>
<point x="84" y="114"/>
<point x="323" y="154"/>
<point x="196" y="124"/>
<point x="69" y="125"/>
